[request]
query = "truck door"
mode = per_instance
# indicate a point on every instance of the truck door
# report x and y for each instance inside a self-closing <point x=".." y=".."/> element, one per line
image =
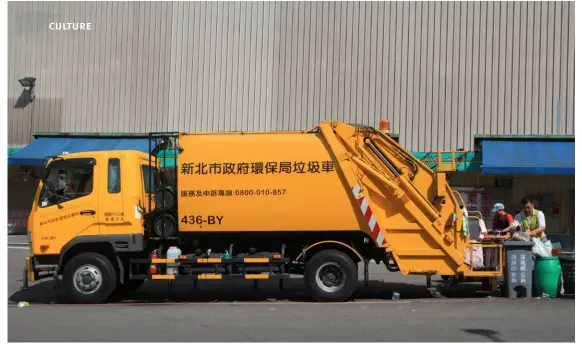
<point x="120" y="195"/>
<point x="67" y="205"/>
<point x="112" y="215"/>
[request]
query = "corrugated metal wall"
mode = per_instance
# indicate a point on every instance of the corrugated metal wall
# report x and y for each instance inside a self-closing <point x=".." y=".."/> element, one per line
<point x="441" y="72"/>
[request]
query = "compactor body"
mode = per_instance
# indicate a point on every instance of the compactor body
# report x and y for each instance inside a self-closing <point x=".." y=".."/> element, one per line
<point x="262" y="182"/>
<point x="336" y="177"/>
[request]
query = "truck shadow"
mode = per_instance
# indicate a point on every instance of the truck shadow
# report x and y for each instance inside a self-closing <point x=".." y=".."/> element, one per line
<point x="294" y="290"/>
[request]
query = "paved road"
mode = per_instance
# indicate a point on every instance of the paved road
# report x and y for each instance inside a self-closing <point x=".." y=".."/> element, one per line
<point x="353" y="322"/>
<point x="218" y="312"/>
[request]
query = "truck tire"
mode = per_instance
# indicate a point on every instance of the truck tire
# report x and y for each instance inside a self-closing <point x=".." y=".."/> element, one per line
<point x="331" y="276"/>
<point x="89" y="278"/>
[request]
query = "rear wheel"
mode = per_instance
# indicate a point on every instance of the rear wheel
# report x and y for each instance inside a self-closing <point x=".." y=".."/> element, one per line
<point x="89" y="278"/>
<point x="331" y="276"/>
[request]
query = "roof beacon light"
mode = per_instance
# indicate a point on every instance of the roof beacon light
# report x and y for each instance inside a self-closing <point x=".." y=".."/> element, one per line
<point x="384" y="126"/>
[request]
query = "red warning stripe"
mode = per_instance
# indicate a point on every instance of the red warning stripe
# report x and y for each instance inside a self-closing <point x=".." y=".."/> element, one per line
<point x="368" y="214"/>
<point x="366" y="210"/>
<point x="376" y="230"/>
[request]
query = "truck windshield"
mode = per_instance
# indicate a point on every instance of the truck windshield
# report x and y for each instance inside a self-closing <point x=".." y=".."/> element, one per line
<point x="66" y="180"/>
<point x="151" y="179"/>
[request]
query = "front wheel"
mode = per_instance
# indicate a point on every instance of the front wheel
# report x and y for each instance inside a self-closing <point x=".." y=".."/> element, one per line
<point x="89" y="278"/>
<point x="331" y="276"/>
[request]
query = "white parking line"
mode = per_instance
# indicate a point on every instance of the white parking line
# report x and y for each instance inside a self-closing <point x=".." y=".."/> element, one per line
<point x="19" y="247"/>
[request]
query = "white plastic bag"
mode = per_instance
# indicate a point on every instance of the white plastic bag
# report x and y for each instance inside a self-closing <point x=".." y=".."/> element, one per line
<point x="477" y="256"/>
<point x="549" y="247"/>
<point x="541" y="249"/>
<point x="482" y="229"/>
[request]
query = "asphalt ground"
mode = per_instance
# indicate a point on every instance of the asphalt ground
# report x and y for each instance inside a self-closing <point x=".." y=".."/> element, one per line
<point x="221" y="311"/>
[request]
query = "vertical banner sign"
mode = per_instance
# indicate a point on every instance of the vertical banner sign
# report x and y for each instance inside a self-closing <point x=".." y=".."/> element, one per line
<point x="472" y="201"/>
<point x="478" y="200"/>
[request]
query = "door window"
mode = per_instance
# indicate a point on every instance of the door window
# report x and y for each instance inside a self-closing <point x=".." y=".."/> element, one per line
<point x="114" y="176"/>
<point x="67" y="180"/>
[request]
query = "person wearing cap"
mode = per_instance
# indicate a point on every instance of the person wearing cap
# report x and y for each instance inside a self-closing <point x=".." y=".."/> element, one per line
<point x="530" y="220"/>
<point x="62" y="182"/>
<point x="502" y="220"/>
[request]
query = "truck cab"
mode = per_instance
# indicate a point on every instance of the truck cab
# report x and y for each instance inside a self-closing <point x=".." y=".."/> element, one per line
<point x="86" y="199"/>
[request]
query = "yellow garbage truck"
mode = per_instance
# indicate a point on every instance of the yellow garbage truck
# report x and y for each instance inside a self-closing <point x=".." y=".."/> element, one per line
<point x="244" y="205"/>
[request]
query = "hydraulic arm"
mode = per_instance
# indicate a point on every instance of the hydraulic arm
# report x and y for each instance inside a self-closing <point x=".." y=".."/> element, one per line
<point x="413" y="209"/>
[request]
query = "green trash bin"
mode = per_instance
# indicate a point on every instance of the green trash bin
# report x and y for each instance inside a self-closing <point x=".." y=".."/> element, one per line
<point x="547" y="272"/>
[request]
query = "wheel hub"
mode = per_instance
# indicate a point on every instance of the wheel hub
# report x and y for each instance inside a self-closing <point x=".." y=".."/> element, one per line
<point x="330" y="277"/>
<point x="87" y="279"/>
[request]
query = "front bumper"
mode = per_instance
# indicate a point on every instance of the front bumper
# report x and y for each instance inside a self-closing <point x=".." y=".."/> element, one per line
<point x="28" y="274"/>
<point x="33" y="272"/>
